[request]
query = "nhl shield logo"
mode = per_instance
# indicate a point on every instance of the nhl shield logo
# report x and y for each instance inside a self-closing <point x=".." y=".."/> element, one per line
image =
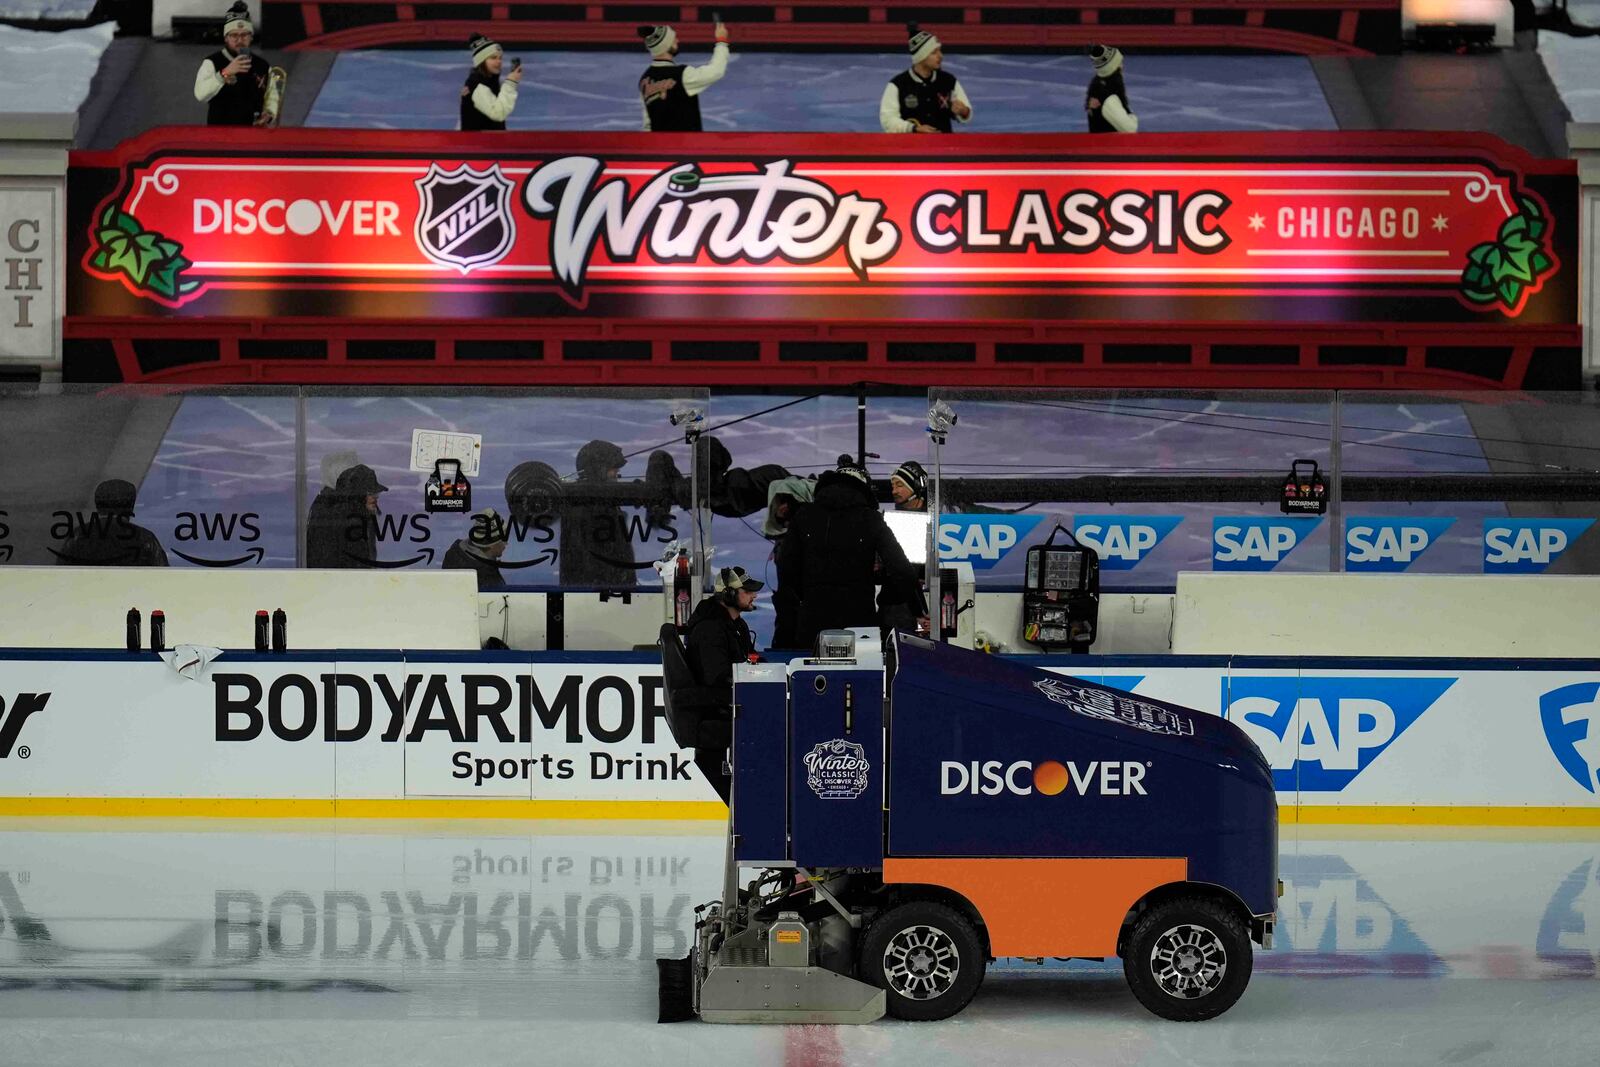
<point x="465" y="218"/>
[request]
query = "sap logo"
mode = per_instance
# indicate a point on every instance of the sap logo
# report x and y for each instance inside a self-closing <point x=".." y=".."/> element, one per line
<point x="1240" y="544"/>
<point x="1319" y="733"/>
<point x="982" y="540"/>
<point x="1563" y="732"/>
<point x="1106" y="778"/>
<point x="1527" y="546"/>
<point x="1389" y="544"/>
<point x="1334" y="924"/>
<point x="1123" y="540"/>
<point x="24" y="706"/>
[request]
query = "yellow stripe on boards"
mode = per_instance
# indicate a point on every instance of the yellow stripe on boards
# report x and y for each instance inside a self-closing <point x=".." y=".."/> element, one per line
<point x="389" y="808"/>
<point x="681" y="810"/>
<point x="1465" y="815"/>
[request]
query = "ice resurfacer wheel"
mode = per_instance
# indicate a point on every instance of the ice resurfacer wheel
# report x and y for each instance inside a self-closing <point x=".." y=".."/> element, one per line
<point x="1188" y="959"/>
<point x="927" y="958"/>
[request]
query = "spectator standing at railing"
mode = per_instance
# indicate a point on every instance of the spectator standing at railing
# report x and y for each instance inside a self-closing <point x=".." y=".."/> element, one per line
<point x="232" y="83"/>
<point x="1106" y="103"/>
<point x="927" y="97"/>
<point x="669" y="91"/>
<point x="486" y="99"/>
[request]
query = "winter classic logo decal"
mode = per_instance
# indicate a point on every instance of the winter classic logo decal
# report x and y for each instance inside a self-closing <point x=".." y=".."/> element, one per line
<point x="837" y="769"/>
<point x="1115" y="707"/>
<point x="1462" y="230"/>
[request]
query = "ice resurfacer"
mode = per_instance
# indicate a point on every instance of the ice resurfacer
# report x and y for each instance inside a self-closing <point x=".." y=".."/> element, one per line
<point x="984" y="809"/>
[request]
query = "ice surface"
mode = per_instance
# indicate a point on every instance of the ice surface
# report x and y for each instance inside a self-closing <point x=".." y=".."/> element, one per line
<point x="200" y="943"/>
<point x="49" y="73"/>
<point x="1574" y="63"/>
<point x="824" y="92"/>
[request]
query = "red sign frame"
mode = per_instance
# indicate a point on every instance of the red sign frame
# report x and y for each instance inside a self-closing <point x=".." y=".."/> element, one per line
<point x="1285" y="228"/>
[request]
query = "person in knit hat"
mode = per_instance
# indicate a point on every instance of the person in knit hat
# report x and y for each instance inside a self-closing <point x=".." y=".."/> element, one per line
<point x="232" y="83"/>
<point x="925" y="98"/>
<point x="909" y="487"/>
<point x="481" y="550"/>
<point x="486" y="99"/>
<point x="669" y="91"/>
<point x="1106" y="103"/>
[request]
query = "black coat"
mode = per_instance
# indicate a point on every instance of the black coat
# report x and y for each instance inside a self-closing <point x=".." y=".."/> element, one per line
<point x="837" y="542"/>
<point x="459" y="559"/>
<point x="713" y="643"/>
<point x="112" y="541"/>
<point x="340" y="532"/>
<point x="595" y="549"/>
<point x="786" y="599"/>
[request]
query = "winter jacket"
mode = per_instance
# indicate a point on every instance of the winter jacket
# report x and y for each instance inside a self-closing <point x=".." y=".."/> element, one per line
<point x="714" y="642"/>
<point x="461" y="557"/>
<point x="340" y="532"/>
<point x="595" y="549"/>
<point x="835" y="545"/>
<point x="112" y="541"/>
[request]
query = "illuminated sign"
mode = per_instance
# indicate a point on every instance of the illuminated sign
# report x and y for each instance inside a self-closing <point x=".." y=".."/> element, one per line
<point x="800" y="227"/>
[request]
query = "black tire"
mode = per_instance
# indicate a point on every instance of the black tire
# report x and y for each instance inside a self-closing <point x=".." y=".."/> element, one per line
<point x="1188" y="959"/>
<point x="926" y="957"/>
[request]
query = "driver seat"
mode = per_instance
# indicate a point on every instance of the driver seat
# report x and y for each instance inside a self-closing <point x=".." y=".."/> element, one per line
<point x="687" y="702"/>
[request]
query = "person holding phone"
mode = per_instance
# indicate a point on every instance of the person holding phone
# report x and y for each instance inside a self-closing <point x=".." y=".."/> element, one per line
<point x="486" y="99"/>
<point x="232" y="83"/>
<point x="927" y="98"/>
<point x="669" y="91"/>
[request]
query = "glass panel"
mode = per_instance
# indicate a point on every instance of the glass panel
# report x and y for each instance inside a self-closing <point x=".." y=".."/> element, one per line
<point x="594" y="485"/>
<point x="1471" y="482"/>
<point x="1156" y="481"/>
<point x="188" y="477"/>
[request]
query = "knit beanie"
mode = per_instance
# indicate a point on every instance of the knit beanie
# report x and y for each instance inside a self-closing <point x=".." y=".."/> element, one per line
<point x="658" y="39"/>
<point x="237" y="20"/>
<point x="916" y="479"/>
<point x="483" y="49"/>
<point x="922" y="43"/>
<point x="1106" y="59"/>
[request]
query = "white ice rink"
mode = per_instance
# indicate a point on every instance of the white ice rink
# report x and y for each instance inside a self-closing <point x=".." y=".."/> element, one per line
<point x="236" y="945"/>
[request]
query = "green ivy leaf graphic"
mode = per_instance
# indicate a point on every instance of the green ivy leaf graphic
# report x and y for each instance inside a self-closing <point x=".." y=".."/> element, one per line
<point x="164" y="281"/>
<point x="147" y="259"/>
<point x="1515" y="226"/>
<point x="1499" y="272"/>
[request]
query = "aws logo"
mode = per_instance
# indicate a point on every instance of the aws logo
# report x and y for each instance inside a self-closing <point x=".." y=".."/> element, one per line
<point x="219" y="532"/>
<point x="1564" y="731"/>
<point x="1256" y="544"/>
<point x="982" y="540"/>
<point x="1528" y="546"/>
<point x="1319" y="733"/>
<point x="1106" y="778"/>
<point x="1123" y="541"/>
<point x="1389" y="544"/>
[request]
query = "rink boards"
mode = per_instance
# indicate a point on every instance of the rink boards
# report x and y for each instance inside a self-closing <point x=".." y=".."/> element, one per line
<point x="583" y="735"/>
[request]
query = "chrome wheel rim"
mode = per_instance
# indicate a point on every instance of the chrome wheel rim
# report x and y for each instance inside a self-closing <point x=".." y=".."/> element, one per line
<point x="921" y="963"/>
<point x="1188" y="962"/>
